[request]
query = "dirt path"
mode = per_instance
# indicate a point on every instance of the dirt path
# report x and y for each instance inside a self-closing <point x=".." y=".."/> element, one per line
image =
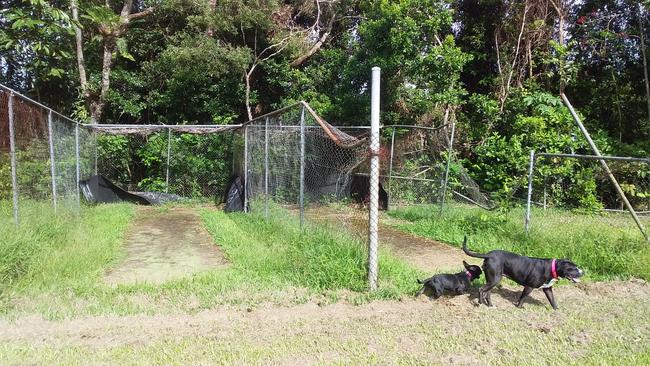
<point x="425" y="254"/>
<point x="164" y="244"/>
<point x="600" y="317"/>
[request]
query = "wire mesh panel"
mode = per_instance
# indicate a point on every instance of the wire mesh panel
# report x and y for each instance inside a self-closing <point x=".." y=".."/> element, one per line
<point x="583" y="186"/>
<point x="200" y="165"/>
<point x="418" y="164"/>
<point x="135" y="162"/>
<point x="6" y="192"/>
<point x="573" y="183"/>
<point x="191" y="165"/>
<point x="47" y="149"/>
<point x="32" y="151"/>
<point x="296" y="151"/>
<point x="64" y="142"/>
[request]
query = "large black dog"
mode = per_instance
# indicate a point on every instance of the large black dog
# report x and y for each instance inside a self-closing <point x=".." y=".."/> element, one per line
<point x="458" y="283"/>
<point x="529" y="272"/>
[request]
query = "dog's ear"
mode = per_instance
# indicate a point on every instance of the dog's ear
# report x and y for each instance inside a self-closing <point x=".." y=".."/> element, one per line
<point x="466" y="265"/>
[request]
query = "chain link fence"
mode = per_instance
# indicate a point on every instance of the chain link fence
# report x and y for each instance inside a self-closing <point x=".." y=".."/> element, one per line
<point x="580" y="182"/>
<point x="43" y="154"/>
<point x="293" y="157"/>
<point x="193" y="165"/>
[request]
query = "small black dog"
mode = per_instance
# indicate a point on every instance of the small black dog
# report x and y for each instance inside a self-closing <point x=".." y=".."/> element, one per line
<point x="529" y="272"/>
<point x="458" y="283"/>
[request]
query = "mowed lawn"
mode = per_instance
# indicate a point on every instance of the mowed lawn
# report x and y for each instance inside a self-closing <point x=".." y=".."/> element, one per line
<point x="288" y="297"/>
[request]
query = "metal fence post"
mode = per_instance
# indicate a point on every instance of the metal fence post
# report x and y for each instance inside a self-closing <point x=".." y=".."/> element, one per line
<point x="246" y="168"/>
<point x="373" y="224"/>
<point x="390" y="169"/>
<point x="545" y="195"/>
<point x="302" y="167"/>
<point x="78" y="168"/>
<point x="530" y="190"/>
<point x="96" y="150"/>
<point x="449" y="152"/>
<point x="169" y="150"/>
<point x="266" y="167"/>
<point x="12" y="152"/>
<point x="611" y="177"/>
<point x="50" y="138"/>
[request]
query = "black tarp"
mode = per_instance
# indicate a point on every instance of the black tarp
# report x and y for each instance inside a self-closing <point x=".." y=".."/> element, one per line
<point x="235" y="196"/>
<point x="98" y="189"/>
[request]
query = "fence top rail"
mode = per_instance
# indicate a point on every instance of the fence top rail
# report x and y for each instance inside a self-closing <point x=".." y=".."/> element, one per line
<point x="594" y="157"/>
<point x="419" y="127"/>
<point x="163" y="126"/>
<point x="275" y="112"/>
<point x="24" y="97"/>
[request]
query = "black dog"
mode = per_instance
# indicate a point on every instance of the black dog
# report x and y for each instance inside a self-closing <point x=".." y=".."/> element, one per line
<point x="529" y="272"/>
<point x="458" y="283"/>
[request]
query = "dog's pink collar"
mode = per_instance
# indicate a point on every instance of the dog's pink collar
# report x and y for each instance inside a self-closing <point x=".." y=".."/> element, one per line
<point x="553" y="269"/>
<point x="469" y="274"/>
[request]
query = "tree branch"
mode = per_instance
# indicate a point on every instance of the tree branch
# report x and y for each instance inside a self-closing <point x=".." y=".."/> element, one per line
<point x="302" y="58"/>
<point x="142" y="14"/>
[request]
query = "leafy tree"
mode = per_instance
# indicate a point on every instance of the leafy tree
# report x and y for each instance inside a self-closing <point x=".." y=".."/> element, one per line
<point x="34" y="38"/>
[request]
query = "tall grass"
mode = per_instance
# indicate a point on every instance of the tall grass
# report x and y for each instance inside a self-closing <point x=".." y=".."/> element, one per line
<point x="319" y="257"/>
<point x="608" y="246"/>
<point x="63" y="250"/>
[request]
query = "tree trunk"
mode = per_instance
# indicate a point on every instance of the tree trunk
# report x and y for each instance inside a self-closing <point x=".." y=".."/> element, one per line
<point x="645" y="66"/>
<point x="247" y="78"/>
<point x="97" y="108"/>
<point x="81" y="65"/>
<point x="559" y="9"/>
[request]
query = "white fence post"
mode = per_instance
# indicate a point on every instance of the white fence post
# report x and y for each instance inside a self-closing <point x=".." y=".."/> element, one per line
<point x="76" y="154"/>
<point x="246" y="185"/>
<point x="530" y="190"/>
<point x="169" y="151"/>
<point x="302" y="167"/>
<point x="266" y="168"/>
<point x="390" y="170"/>
<point x="449" y="152"/>
<point x="12" y="152"/>
<point x="50" y="137"/>
<point x="373" y="224"/>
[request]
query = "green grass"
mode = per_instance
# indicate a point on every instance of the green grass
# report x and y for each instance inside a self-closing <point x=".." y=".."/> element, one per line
<point x="53" y="265"/>
<point x="607" y="246"/>
<point x="320" y="257"/>
<point x="55" y="252"/>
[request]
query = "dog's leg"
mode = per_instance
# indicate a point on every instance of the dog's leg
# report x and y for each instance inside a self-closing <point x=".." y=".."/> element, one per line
<point x="549" y="295"/>
<point x="437" y="292"/>
<point x="527" y="290"/>
<point x="492" y="278"/>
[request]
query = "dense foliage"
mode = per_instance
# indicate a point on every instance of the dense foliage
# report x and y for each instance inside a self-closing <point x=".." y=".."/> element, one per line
<point x="496" y="66"/>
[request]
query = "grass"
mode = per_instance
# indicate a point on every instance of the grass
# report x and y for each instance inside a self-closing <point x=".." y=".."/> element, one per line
<point x="607" y="246"/>
<point x="53" y="265"/>
<point x="597" y="330"/>
<point x="55" y="252"/>
<point x="58" y="263"/>
<point x="319" y="257"/>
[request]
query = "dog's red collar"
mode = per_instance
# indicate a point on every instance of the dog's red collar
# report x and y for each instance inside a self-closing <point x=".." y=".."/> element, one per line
<point x="553" y="269"/>
<point x="469" y="275"/>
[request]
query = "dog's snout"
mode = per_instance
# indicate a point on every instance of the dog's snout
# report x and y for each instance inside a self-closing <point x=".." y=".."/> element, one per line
<point x="580" y="271"/>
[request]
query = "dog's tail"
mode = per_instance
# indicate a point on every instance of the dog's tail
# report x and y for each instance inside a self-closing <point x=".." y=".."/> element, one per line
<point x="470" y="253"/>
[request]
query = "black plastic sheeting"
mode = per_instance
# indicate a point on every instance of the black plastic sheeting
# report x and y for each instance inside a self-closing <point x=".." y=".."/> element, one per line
<point x="235" y="196"/>
<point x="98" y="189"/>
